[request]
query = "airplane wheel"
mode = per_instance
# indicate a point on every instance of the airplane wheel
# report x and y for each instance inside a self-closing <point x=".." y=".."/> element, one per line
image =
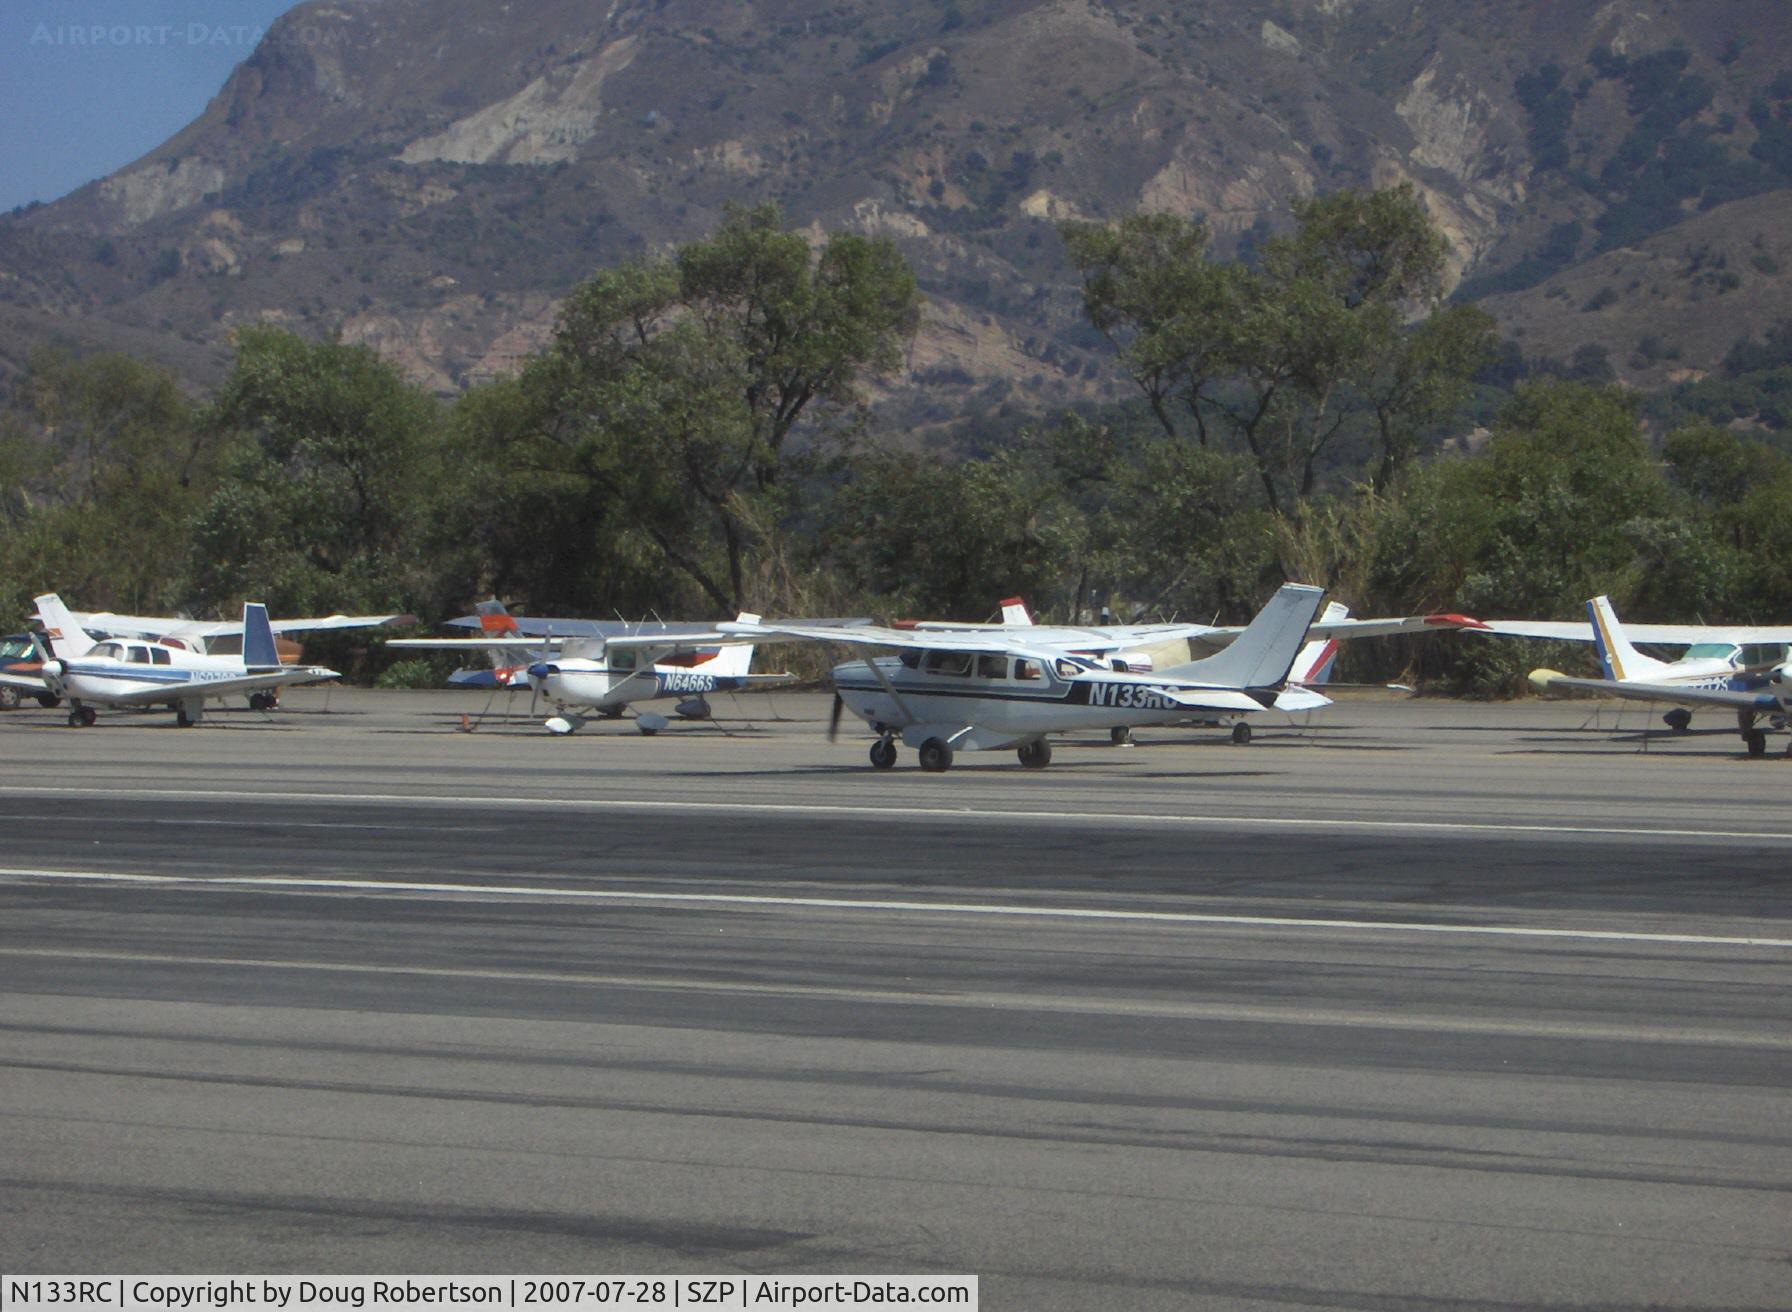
<point x="9" y="698"/>
<point x="936" y="756"/>
<point x="611" y="712"/>
<point x="82" y="717"/>
<point x="1679" y="719"/>
<point x="883" y="753"/>
<point x="1241" y="734"/>
<point x="1120" y="735"/>
<point x="48" y="700"/>
<point x="1757" y="742"/>
<point x="258" y="701"/>
<point x="1036" y="755"/>
<point x="75" y="720"/>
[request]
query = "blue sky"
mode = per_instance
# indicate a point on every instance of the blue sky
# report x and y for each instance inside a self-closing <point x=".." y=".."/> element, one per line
<point x="87" y="86"/>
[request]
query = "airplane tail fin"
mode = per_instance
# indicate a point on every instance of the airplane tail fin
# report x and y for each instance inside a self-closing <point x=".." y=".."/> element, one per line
<point x="1313" y="667"/>
<point x="1262" y="655"/>
<point x="66" y="638"/>
<point x="1014" y="611"/>
<point x="494" y="618"/>
<point x="1617" y="658"/>
<point x="735" y="659"/>
<point x="259" y="651"/>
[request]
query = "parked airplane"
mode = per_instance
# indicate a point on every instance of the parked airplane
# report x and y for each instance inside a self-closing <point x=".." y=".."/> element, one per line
<point x="1138" y="648"/>
<point x="1714" y="678"/>
<point x="605" y="665"/>
<point x="947" y="691"/>
<point x="19" y="677"/>
<point x="221" y="637"/>
<point x="138" y="673"/>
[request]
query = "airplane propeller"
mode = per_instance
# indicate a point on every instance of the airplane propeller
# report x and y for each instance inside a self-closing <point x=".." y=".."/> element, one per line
<point x="834" y="718"/>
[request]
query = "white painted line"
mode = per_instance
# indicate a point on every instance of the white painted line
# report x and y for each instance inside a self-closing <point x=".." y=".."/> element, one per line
<point x="395" y="887"/>
<point x="296" y="824"/>
<point x="1167" y="1008"/>
<point x="507" y="801"/>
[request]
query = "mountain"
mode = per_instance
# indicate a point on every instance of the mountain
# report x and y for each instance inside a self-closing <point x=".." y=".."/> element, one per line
<point x="429" y="176"/>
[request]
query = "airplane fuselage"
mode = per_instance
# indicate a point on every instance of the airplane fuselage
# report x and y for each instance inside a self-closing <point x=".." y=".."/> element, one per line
<point x="984" y="702"/>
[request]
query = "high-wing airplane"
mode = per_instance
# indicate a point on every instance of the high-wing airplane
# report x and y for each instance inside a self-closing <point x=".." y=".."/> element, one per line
<point x="949" y="691"/>
<point x="221" y="637"/>
<point x="606" y="665"/>
<point x="141" y="673"/>
<point x="1139" y="648"/>
<point x="1712" y="677"/>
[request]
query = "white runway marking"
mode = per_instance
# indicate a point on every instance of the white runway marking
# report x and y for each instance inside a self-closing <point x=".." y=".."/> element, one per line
<point x="506" y="801"/>
<point x="300" y="824"/>
<point x="392" y="887"/>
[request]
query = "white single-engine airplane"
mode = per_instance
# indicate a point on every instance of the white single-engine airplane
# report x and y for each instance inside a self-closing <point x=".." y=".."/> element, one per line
<point x="1713" y="676"/>
<point x="140" y="673"/>
<point x="606" y="665"/>
<point x="221" y="637"/>
<point x="1140" y="648"/>
<point x="950" y="691"/>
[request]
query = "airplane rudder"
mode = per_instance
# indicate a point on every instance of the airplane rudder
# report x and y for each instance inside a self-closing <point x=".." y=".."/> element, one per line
<point x="258" y="637"/>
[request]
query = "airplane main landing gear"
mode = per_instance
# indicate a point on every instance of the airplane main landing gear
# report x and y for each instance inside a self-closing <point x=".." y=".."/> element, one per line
<point x="263" y="701"/>
<point x="1035" y="755"/>
<point x="1757" y="741"/>
<point x="936" y="756"/>
<point x="1120" y="736"/>
<point x="1679" y="719"/>
<point x="1241" y="733"/>
<point x="186" y="717"/>
<point x="883" y="753"/>
<point x="82" y="717"/>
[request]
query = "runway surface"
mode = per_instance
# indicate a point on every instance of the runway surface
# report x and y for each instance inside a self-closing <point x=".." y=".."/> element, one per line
<point x="1424" y="1006"/>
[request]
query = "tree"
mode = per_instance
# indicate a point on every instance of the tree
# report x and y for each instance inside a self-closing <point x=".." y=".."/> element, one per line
<point x="333" y="457"/>
<point x="1335" y="335"/>
<point x="675" y="387"/>
<point x="102" y="461"/>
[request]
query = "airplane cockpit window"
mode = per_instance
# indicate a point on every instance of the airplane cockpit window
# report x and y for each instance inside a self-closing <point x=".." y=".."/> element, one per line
<point x="160" y="656"/>
<point x="138" y="655"/>
<point x="1027" y="670"/>
<point x="16" y="649"/>
<point x="1068" y="669"/>
<point x="992" y="667"/>
<point x="625" y="659"/>
<point x="1711" y="651"/>
<point x="1759" y="654"/>
<point x="910" y="658"/>
<point x="956" y="663"/>
<point x="109" y="651"/>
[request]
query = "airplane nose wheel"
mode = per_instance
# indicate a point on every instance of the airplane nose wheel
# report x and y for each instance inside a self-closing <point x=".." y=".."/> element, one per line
<point x="82" y="717"/>
<point x="1241" y="734"/>
<point x="883" y="753"/>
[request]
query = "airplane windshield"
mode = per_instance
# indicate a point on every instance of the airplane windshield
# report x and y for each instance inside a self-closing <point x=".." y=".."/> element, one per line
<point x="1710" y="651"/>
<point x="16" y="649"/>
<point x="109" y="651"/>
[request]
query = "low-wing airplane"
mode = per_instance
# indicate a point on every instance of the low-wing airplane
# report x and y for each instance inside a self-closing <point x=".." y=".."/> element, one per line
<point x="948" y="691"/>
<point x="603" y="666"/>
<point x="19" y="677"/>
<point x="141" y="673"/>
<point x="1712" y="677"/>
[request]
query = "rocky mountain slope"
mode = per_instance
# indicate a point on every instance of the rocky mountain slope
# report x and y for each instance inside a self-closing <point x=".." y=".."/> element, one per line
<point x="428" y="176"/>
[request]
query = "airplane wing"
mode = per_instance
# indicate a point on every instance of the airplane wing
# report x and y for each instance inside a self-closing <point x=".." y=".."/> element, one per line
<point x="1368" y="628"/>
<point x="1764" y="702"/>
<point x="24" y="682"/>
<point x="1001" y="642"/>
<point x="1669" y="635"/>
<point x="154" y="626"/>
<point x="477" y="644"/>
<point x="175" y="692"/>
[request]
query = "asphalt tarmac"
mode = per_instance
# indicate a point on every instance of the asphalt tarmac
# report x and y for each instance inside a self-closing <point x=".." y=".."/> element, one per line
<point x="1424" y="1005"/>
